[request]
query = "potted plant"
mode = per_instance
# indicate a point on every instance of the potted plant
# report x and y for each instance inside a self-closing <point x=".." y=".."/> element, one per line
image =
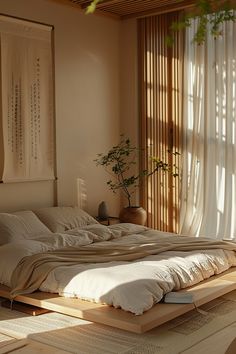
<point x="119" y="162"/>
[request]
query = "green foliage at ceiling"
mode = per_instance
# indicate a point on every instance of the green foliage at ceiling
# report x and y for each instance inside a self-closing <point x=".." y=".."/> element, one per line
<point x="210" y="19"/>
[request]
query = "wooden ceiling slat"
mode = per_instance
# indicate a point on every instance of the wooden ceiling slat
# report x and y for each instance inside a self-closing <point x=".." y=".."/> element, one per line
<point x="137" y="6"/>
<point x="128" y="8"/>
<point x="132" y="8"/>
<point x="161" y="10"/>
<point x="107" y="3"/>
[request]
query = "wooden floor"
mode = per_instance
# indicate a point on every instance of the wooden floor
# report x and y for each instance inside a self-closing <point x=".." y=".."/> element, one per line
<point x="204" y="292"/>
<point x="25" y="346"/>
<point x="216" y="344"/>
<point x="24" y="334"/>
<point x="222" y="342"/>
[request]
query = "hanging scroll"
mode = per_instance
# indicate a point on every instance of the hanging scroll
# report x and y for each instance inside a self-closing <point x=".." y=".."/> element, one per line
<point x="27" y="101"/>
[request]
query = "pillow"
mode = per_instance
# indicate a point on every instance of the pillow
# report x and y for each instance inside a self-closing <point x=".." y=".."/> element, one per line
<point x="20" y="225"/>
<point x="60" y="219"/>
<point x="34" y="225"/>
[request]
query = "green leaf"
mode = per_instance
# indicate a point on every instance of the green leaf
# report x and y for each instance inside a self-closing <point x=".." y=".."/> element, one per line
<point x="169" y="41"/>
<point x="92" y="7"/>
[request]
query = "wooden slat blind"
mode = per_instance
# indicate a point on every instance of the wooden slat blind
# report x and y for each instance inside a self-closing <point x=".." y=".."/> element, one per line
<point x="160" y="70"/>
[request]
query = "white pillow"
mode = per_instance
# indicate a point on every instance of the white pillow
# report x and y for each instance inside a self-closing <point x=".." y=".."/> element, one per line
<point x="59" y="219"/>
<point x="34" y="225"/>
<point x="20" y="225"/>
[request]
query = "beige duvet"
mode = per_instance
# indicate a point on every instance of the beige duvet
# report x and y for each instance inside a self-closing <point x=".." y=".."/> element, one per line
<point x="124" y="265"/>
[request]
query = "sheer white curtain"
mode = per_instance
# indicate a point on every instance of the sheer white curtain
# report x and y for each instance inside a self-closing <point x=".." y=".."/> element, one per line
<point x="209" y="131"/>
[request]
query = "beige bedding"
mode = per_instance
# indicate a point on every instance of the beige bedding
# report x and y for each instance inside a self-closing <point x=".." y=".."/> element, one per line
<point x="101" y="270"/>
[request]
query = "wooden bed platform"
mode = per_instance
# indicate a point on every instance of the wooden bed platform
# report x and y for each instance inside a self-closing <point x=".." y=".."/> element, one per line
<point x="204" y="292"/>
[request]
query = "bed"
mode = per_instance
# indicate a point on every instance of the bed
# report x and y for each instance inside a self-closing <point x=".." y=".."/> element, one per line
<point x="116" y="275"/>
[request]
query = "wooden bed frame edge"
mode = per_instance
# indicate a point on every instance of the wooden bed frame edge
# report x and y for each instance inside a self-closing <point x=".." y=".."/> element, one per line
<point x="203" y="292"/>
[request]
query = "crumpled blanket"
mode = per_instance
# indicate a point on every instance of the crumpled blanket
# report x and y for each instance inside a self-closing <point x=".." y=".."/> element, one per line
<point x="124" y="265"/>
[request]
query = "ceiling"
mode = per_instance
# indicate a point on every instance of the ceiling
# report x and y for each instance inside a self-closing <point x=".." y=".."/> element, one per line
<point x="123" y="9"/>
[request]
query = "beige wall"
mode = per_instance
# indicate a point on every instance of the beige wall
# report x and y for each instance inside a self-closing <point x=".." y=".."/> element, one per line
<point x="129" y="79"/>
<point x="129" y="87"/>
<point x="87" y="104"/>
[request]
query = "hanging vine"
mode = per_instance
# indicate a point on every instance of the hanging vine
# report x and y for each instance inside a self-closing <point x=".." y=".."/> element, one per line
<point x="211" y="18"/>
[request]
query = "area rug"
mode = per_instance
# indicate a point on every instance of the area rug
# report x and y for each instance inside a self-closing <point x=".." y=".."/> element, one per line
<point x="78" y="336"/>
